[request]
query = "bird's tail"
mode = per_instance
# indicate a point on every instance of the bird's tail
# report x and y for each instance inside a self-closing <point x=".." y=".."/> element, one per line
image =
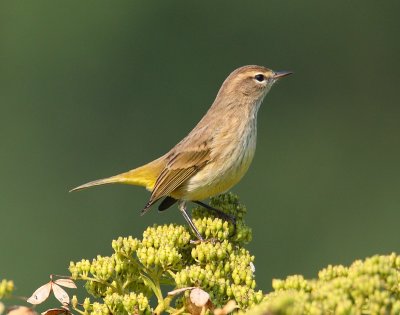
<point x="145" y="176"/>
<point x="98" y="182"/>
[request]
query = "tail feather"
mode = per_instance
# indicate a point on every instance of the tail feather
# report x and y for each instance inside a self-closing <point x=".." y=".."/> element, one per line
<point x="98" y="182"/>
<point x="145" y="175"/>
<point x="146" y="208"/>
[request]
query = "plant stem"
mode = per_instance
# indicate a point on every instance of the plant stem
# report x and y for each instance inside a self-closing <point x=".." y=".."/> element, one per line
<point x="163" y="305"/>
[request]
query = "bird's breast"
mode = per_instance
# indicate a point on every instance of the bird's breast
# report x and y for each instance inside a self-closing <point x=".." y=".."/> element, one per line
<point x="232" y="154"/>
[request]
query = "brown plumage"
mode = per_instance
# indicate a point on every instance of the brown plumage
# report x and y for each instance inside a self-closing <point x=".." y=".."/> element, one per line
<point x="216" y="154"/>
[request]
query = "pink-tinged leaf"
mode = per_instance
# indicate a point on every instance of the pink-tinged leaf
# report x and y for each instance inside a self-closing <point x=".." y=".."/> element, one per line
<point x="41" y="294"/>
<point x="56" y="311"/>
<point x="68" y="283"/>
<point x="21" y="310"/>
<point x="199" y="297"/>
<point x="60" y="294"/>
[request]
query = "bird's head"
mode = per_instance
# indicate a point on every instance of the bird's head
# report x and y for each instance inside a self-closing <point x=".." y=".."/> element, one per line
<point x="251" y="83"/>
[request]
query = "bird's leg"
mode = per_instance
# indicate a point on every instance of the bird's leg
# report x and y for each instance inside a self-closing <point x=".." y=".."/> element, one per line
<point x="182" y="208"/>
<point x="219" y="213"/>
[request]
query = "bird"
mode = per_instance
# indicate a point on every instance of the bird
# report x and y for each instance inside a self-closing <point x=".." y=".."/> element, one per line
<point x="214" y="156"/>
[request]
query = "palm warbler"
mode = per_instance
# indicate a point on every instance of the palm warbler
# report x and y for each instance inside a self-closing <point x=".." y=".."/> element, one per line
<point x="215" y="155"/>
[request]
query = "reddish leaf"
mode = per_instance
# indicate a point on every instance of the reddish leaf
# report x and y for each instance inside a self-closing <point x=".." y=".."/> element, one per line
<point x="56" y="311"/>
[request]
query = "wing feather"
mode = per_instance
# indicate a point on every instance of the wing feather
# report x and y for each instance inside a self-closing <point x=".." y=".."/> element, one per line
<point x="181" y="166"/>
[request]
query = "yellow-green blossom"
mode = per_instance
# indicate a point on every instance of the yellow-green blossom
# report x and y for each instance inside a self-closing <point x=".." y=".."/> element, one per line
<point x="371" y="287"/>
<point x="126" y="281"/>
<point x="6" y="288"/>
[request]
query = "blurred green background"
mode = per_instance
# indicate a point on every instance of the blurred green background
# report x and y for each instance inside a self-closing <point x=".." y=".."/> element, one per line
<point x="92" y="88"/>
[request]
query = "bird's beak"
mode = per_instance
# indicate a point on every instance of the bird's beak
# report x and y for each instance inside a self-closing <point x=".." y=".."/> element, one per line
<point x="281" y="74"/>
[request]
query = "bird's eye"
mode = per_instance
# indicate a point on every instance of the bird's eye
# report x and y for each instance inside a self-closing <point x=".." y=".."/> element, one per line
<point x="259" y="77"/>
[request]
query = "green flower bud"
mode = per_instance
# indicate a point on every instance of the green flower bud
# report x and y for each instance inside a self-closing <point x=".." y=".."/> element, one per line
<point x="86" y="304"/>
<point x="74" y="301"/>
<point x="229" y="292"/>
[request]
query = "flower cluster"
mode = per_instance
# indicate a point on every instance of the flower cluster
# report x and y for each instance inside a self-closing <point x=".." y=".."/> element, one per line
<point x="138" y="268"/>
<point x="116" y="304"/>
<point x="366" y="287"/>
<point x="224" y="271"/>
<point x="6" y="288"/>
<point x="210" y="225"/>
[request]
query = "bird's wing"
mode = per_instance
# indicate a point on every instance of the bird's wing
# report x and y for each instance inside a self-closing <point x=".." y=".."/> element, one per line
<point x="181" y="166"/>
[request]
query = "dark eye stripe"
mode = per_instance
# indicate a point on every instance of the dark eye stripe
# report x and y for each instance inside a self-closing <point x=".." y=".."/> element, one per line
<point x="259" y="77"/>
